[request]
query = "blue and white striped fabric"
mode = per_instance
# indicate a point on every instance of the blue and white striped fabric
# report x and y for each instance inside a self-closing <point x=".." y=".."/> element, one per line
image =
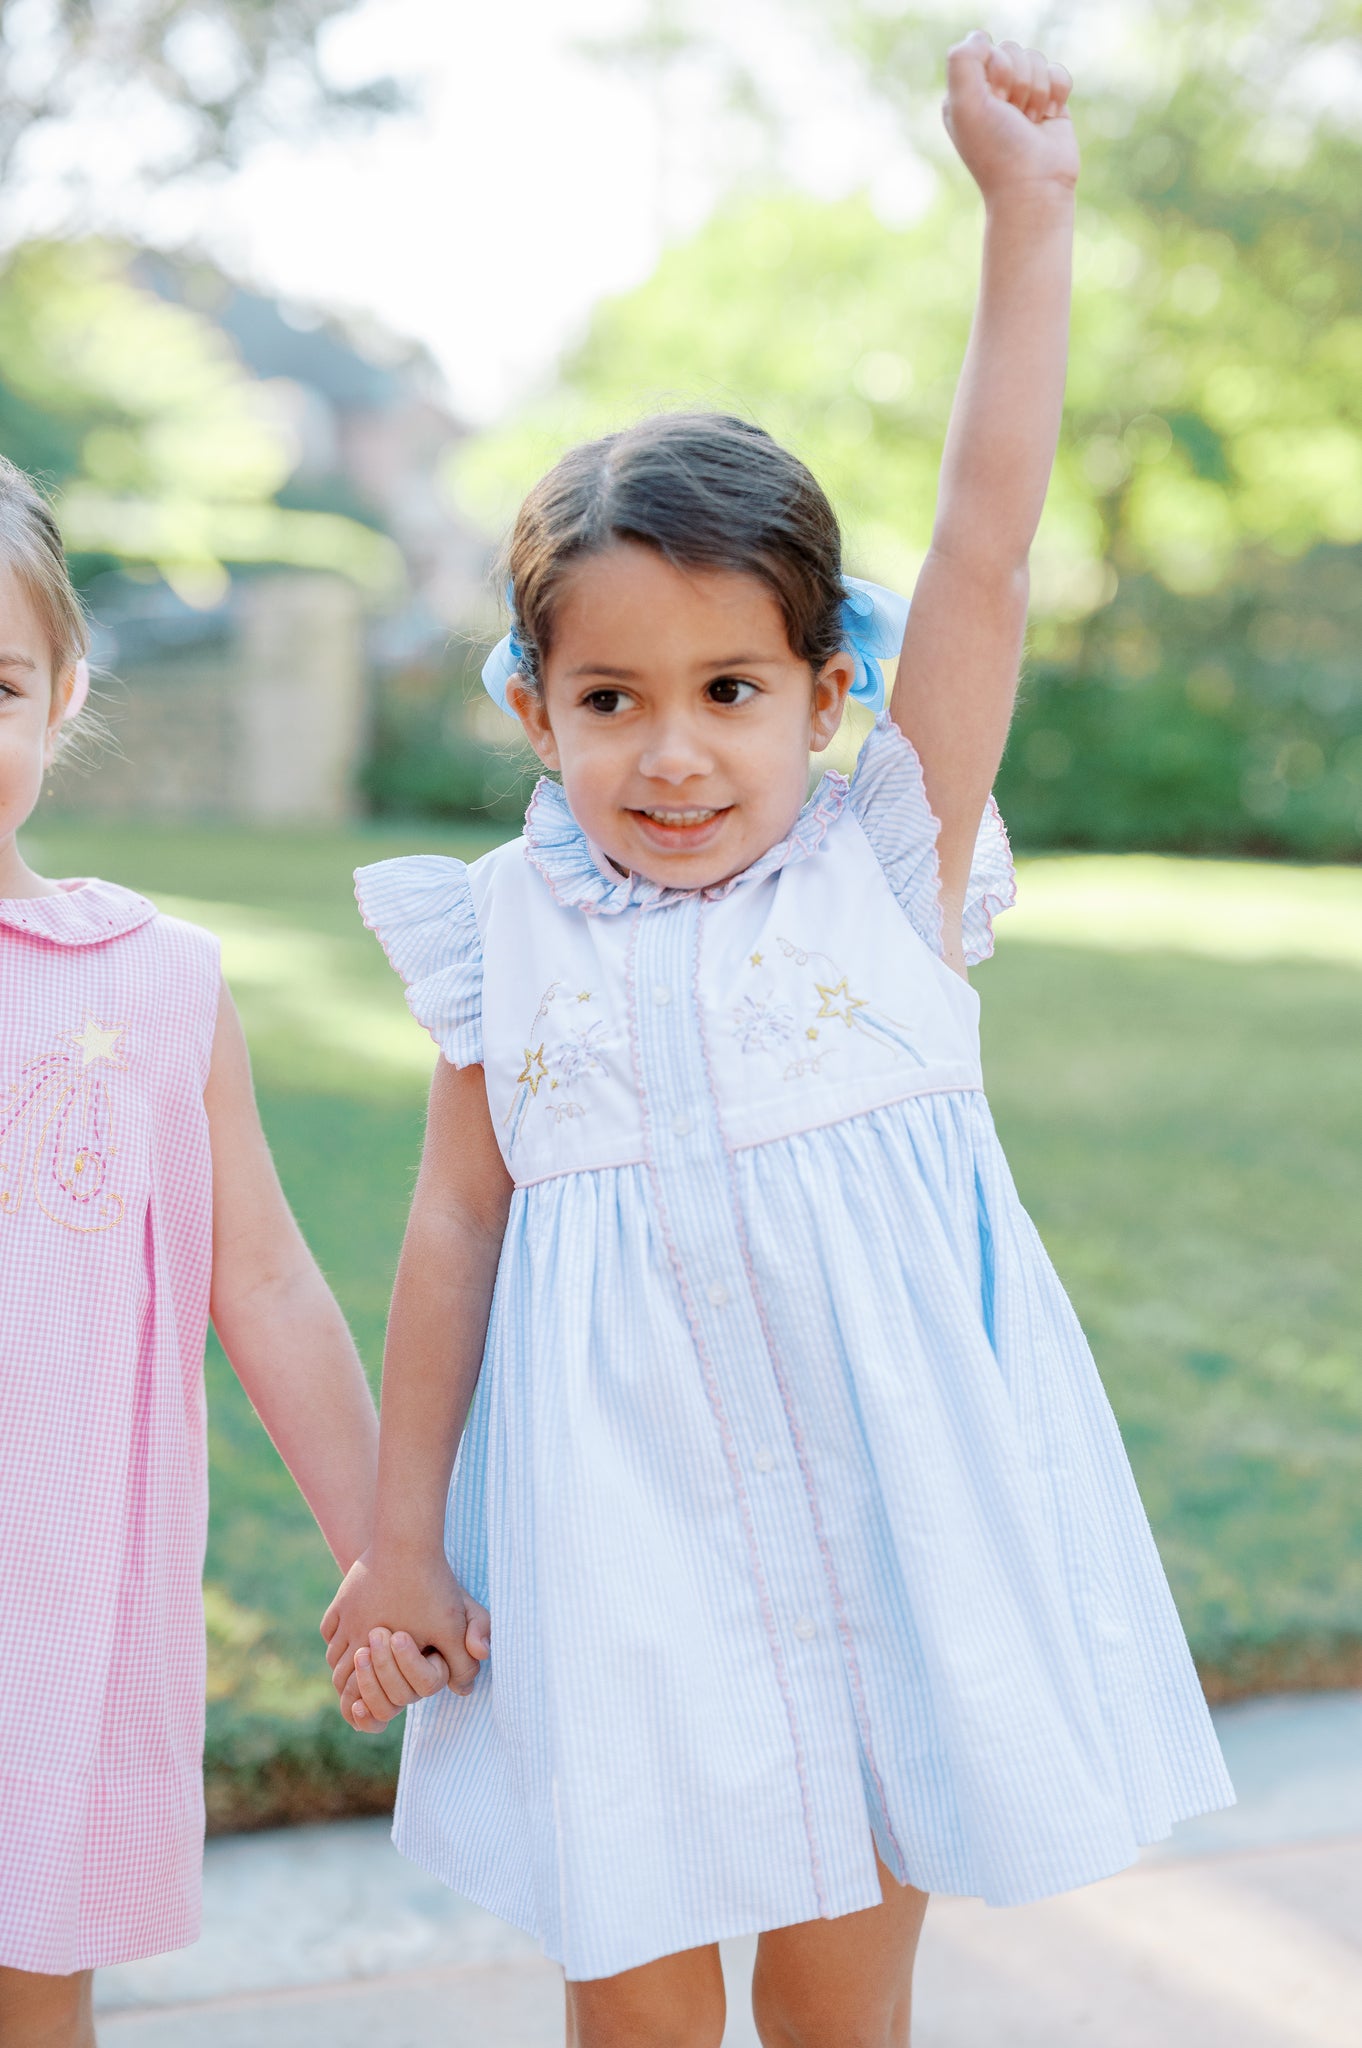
<point x="790" y="1485"/>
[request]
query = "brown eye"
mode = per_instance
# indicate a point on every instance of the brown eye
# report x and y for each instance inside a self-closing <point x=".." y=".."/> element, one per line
<point x="604" y="701"/>
<point x="730" y="690"/>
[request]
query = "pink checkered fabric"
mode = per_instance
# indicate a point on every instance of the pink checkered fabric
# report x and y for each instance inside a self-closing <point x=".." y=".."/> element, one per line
<point x="107" y="1013"/>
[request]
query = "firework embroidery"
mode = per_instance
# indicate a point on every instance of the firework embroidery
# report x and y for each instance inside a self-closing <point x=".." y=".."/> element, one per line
<point x="554" y="1066"/>
<point x="58" y="1131"/>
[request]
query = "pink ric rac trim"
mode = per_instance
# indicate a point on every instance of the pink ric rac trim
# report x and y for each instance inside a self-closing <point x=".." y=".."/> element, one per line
<point x="725" y="1431"/>
<point x="576" y="883"/>
<point x="990" y="902"/>
<point x="370" y="926"/>
<point x="797" y="1438"/>
<point x="412" y="982"/>
<point x="920" y="782"/>
<point x="534" y="855"/>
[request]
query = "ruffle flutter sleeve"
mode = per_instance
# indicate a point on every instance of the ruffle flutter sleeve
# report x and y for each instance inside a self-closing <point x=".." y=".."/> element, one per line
<point x="889" y="800"/>
<point x="421" y="910"/>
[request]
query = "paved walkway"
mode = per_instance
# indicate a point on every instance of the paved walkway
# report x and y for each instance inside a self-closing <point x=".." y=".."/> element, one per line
<point x="1245" y="1931"/>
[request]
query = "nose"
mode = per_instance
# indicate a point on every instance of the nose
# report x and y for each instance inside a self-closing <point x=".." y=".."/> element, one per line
<point x="675" y="752"/>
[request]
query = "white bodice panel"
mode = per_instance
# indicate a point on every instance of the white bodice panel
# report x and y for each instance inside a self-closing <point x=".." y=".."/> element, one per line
<point x="799" y="1028"/>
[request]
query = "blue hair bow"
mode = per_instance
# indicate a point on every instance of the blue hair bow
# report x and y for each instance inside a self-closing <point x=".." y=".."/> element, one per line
<point x="873" y="620"/>
<point x="503" y="662"/>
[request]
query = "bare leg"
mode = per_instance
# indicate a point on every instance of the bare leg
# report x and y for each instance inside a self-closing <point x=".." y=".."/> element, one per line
<point x="46" y="2012"/>
<point x="844" y="1983"/>
<point x="676" y="2002"/>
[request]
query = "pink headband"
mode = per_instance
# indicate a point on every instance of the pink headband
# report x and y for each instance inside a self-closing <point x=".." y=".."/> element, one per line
<point x="80" y="690"/>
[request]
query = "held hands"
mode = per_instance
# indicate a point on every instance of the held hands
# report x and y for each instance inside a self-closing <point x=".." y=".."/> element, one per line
<point x="377" y="1670"/>
<point x="1006" y="111"/>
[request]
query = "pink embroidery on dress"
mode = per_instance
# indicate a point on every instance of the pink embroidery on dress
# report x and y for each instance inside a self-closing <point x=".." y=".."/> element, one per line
<point x="57" y="1132"/>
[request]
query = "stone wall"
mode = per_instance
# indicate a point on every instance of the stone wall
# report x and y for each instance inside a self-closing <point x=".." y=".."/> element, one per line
<point x="262" y="715"/>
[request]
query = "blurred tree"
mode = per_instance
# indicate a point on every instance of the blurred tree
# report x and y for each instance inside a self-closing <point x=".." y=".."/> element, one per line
<point x="1188" y="643"/>
<point x="1213" y="443"/>
<point x="161" y="447"/>
<point x="204" y="79"/>
<point x="1219" y="300"/>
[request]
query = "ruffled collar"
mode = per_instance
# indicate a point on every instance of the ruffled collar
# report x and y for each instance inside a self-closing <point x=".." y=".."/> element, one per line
<point x="84" y="912"/>
<point x="580" y="877"/>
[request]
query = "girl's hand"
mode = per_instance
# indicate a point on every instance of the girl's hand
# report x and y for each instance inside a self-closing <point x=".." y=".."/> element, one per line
<point x="1006" y="111"/>
<point x="388" y="1675"/>
<point x="365" y="1658"/>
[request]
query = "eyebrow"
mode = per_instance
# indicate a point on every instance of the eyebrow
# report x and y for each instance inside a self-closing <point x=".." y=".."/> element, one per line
<point x="17" y="661"/>
<point x="632" y="675"/>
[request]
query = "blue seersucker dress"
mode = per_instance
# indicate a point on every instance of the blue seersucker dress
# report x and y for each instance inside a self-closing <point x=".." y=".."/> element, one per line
<point x="790" y="1485"/>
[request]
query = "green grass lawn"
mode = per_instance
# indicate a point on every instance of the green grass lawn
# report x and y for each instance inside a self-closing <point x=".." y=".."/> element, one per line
<point x="1174" y="1055"/>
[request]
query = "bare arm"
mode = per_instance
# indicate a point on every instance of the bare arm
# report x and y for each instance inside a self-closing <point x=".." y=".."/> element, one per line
<point x="436" y="1333"/>
<point x="278" y="1320"/>
<point x="953" y="695"/>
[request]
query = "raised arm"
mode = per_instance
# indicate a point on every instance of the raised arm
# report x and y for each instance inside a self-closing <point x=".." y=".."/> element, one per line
<point x="1006" y="112"/>
<point x="436" y="1333"/>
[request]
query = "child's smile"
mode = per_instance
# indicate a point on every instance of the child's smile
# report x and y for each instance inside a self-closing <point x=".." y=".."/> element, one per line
<point x="682" y="831"/>
<point x="678" y="715"/>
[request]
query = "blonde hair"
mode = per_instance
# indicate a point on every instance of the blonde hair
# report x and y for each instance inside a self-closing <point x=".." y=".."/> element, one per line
<point x="30" y="542"/>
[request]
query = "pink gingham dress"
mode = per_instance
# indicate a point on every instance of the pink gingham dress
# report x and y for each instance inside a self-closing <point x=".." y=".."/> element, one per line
<point x="107" y="1011"/>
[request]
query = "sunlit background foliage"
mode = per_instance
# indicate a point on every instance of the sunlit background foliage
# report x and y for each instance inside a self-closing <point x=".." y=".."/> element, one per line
<point x="1194" y="678"/>
<point x="166" y="453"/>
<point x="1192" y="681"/>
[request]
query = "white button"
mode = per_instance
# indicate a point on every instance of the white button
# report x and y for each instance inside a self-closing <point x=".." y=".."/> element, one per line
<point x="717" y="1293"/>
<point x="662" y="995"/>
<point x="682" y="1125"/>
<point x="805" y="1629"/>
<point x="763" y="1460"/>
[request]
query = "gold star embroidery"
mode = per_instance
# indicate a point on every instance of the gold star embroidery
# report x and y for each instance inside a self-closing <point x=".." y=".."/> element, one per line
<point x="534" y="1070"/>
<point x="828" y="1006"/>
<point x="585" y="996"/>
<point x="812" y="1031"/>
<point x="98" y="1042"/>
<point x="756" y="959"/>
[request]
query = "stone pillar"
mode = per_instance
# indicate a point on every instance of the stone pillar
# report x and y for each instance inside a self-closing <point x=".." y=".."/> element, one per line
<point x="300" y="697"/>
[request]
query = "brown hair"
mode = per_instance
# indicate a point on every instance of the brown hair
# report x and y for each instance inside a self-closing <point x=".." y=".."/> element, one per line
<point x="707" y="491"/>
<point x="30" y="541"/>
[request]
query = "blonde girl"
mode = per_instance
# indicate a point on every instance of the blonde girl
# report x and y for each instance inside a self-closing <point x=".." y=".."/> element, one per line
<point x="137" y="1196"/>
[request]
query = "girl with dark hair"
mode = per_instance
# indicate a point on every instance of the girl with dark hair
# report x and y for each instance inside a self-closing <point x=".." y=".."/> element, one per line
<point x="816" y="1574"/>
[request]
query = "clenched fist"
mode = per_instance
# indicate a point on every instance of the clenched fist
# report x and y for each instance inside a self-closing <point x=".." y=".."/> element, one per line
<point x="1007" y="112"/>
